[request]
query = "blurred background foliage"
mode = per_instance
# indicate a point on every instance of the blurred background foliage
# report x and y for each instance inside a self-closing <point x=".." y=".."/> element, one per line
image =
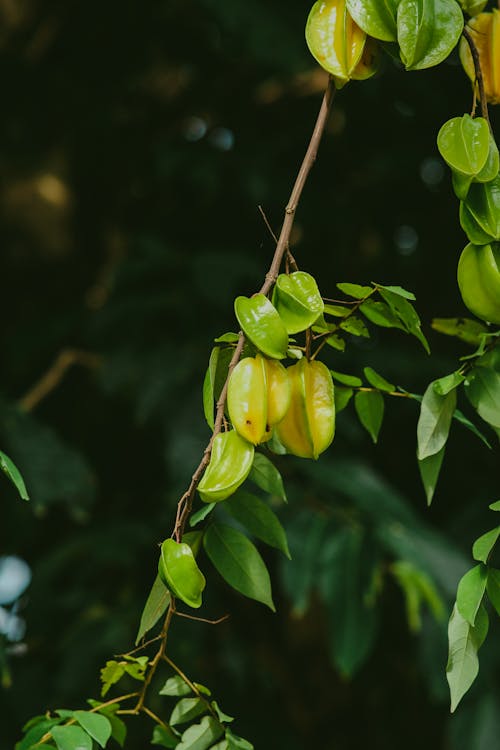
<point x="137" y="140"/>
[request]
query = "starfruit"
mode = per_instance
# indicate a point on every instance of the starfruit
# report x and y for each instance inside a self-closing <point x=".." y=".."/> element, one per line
<point x="464" y="144"/>
<point x="480" y="212"/>
<point x="308" y="427"/>
<point x="338" y="44"/>
<point x="485" y="32"/>
<point x="180" y="573"/>
<point x="428" y="30"/>
<point x="258" y="396"/>
<point x="297" y="300"/>
<point x="262" y="325"/>
<point x="479" y="280"/>
<point x="230" y="463"/>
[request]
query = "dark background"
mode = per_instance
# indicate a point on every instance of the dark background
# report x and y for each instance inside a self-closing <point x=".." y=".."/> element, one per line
<point x="137" y="140"/>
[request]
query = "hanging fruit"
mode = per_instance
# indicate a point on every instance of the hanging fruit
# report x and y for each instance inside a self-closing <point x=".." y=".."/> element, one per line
<point x="230" y="463"/>
<point x="485" y="32"/>
<point x="180" y="573"/>
<point x="479" y="280"/>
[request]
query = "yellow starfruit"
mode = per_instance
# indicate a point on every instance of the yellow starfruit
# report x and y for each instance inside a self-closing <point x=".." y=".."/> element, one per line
<point x="308" y="427"/>
<point x="485" y="32"/>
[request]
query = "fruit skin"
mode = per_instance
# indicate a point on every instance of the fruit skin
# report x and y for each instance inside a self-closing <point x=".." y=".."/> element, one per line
<point x="180" y="573"/>
<point x="308" y="427"/>
<point x="485" y="31"/>
<point x="479" y="280"/>
<point x="258" y="397"/>
<point x="298" y="301"/>
<point x="230" y="463"/>
<point x="262" y="325"/>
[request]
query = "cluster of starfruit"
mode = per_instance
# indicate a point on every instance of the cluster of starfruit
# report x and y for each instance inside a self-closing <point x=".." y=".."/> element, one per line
<point x="345" y="36"/>
<point x="468" y="147"/>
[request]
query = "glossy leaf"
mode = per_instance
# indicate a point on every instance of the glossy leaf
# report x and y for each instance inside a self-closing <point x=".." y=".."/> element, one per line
<point x="297" y="300"/>
<point x="464" y="144"/>
<point x="434" y="422"/>
<point x="258" y="519"/>
<point x="470" y="592"/>
<point x="96" y="725"/>
<point x="230" y="464"/>
<point x="377" y="381"/>
<point x="71" y="738"/>
<point x="201" y="736"/>
<point x="483" y="391"/>
<point x="156" y="604"/>
<point x="378" y="19"/>
<point x="428" y="30"/>
<point x="238" y="562"/>
<point x="429" y="469"/>
<point x="12" y="472"/>
<point x="466" y="329"/>
<point x="266" y="476"/>
<point x="482" y="547"/>
<point x="186" y="710"/>
<point x="261" y="323"/>
<point x="464" y="644"/>
<point x="493" y="588"/>
<point x="370" y="410"/>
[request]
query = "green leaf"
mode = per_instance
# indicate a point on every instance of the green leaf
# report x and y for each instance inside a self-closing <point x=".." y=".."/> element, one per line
<point x="342" y="397"/>
<point x="208" y="391"/>
<point x="406" y="313"/>
<point x="482" y="547"/>
<point x="238" y="562"/>
<point x="483" y="205"/>
<point x="266" y="476"/>
<point x="111" y="673"/>
<point x="465" y="329"/>
<point x="350" y="380"/>
<point x="470" y="592"/>
<point x="464" y="144"/>
<point x="462" y="419"/>
<point x="483" y="391"/>
<point x="71" y="738"/>
<point x="355" y="326"/>
<point x="429" y="469"/>
<point x="176" y="686"/>
<point x="156" y="604"/>
<point x="398" y="290"/>
<point x="201" y="736"/>
<point x="12" y="472"/>
<point x="258" y="519"/>
<point x="165" y="737"/>
<point x="448" y="383"/>
<point x="336" y="343"/>
<point x="418" y="588"/>
<point x="370" y="410"/>
<point x="380" y="314"/>
<point x="227" y="338"/>
<point x="96" y="725"/>
<point x="495" y="505"/>
<point x="187" y="709"/>
<point x="464" y="644"/>
<point x="433" y="427"/>
<point x="377" y="381"/>
<point x="136" y="667"/>
<point x="224" y="718"/>
<point x="118" y="727"/>
<point x="201" y="514"/>
<point x="428" y="30"/>
<point x="35" y="732"/>
<point x="237" y="743"/>
<point x="493" y="588"/>
<point x="378" y="19"/>
<point x="355" y="290"/>
<point x="338" y="311"/>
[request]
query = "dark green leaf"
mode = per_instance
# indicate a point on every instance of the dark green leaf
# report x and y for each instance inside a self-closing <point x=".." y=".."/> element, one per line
<point x="237" y="743"/>
<point x="12" y="472"/>
<point x="165" y="737"/>
<point x="266" y="476"/>
<point x="350" y="380"/>
<point x="201" y="736"/>
<point x="429" y="469"/>
<point x="258" y="519"/>
<point x="238" y="562"/>
<point x="433" y="427"/>
<point x="370" y="410"/>
<point x="482" y="547"/>
<point x="380" y="314"/>
<point x="156" y="604"/>
<point x="201" y="514"/>
<point x="470" y="592"/>
<point x="377" y="381"/>
<point x="97" y="726"/>
<point x="307" y="533"/>
<point x="342" y="397"/>
<point x="406" y="313"/>
<point x="418" y="589"/>
<point x="35" y="732"/>
<point x="355" y="326"/>
<point x="493" y="588"/>
<point x="71" y="738"/>
<point x="336" y="343"/>
<point x="483" y="391"/>
<point x="187" y="709"/>
<point x="466" y="329"/>
<point x="464" y="644"/>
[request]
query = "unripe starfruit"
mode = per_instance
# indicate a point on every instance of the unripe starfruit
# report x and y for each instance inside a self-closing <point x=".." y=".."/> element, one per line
<point x="337" y="43"/>
<point x="229" y="466"/>
<point x="258" y="397"/>
<point x="308" y="427"/>
<point x="298" y="301"/>
<point x="479" y="280"/>
<point x="262" y="325"/>
<point x="180" y="573"/>
<point x="485" y="32"/>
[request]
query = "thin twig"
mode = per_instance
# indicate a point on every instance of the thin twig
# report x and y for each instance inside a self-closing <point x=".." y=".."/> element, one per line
<point x="51" y="379"/>
<point x="479" y="74"/>
<point x="203" y="619"/>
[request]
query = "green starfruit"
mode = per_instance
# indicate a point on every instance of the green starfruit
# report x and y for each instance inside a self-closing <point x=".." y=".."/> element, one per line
<point x="479" y="280"/>
<point x="473" y="7"/>
<point x="258" y="397"/>
<point x="428" y="30"/>
<point x="378" y="19"/>
<point x="230" y="463"/>
<point x="180" y="573"/>
<point x="308" y="427"/>
<point x="483" y="206"/>
<point x="262" y="325"/>
<point x="297" y="300"/>
<point x="464" y="144"/>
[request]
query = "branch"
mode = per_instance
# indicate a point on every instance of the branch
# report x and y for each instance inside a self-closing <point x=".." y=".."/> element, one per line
<point x="51" y="379"/>
<point x="479" y="74"/>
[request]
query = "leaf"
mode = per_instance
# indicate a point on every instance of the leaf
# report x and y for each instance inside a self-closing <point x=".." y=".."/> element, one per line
<point x="238" y="562"/>
<point x="429" y="469"/>
<point x="336" y="343"/>
<point x="378" y="381"/>
<point x="237" y="743"/>
<point x="165" y="737"/>
<point x="464" y="644"/>
<point x="175" y="686"/>
<point x="370" y="410"/>
<point x="342" y="397"/>
<point x="483" y="391"/>
<point x="224" y="718"/>
<point x="258" y="519"/>
<point x="418" y="588"/>
<point x="493" y="588"/>
<point x="227" y="338"/>
<point x="111" y="673"/>
<point x="466" y="329"/>
<point x="428" y="30"/>
<point x="355" y="290"/>
<point x="398" y="290"/>
<point x="187" y="709"/>
<point x="355" y="326"/>
<point x="118" y="727"/>
<point x="307" y="534"/>
<point x="406" y="313"/>
<point x="350" y="380"/>
<point x="201" y="736"/>
<point x="380" y="314"/>
<point x="71" y="738"/>
<point x="470" y="592"/>
<point x="462" y="419"/>
<point x="136" y="667"/>
<point x="433" y="426"/>
<point x="156" y="604"/>
<point x="495" y="505"/>
<point x="34" y="733"/>
<point x="482" y="547"/>
<point x="338" y="311"/>
<point x="448" y="383"/>
<point x="201" y="514"/>
<point x="12" y="472"/>
<point x="96" y="725"/>
<point x="266" y="476"/>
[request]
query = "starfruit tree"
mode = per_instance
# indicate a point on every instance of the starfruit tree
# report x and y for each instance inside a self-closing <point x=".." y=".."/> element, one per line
<point x="271" y="389"/>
